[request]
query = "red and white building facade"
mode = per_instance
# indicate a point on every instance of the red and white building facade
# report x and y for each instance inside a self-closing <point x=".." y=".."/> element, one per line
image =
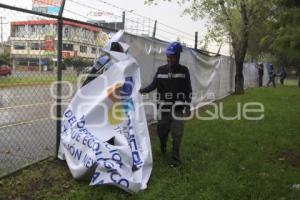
<point x="35" y="41"/>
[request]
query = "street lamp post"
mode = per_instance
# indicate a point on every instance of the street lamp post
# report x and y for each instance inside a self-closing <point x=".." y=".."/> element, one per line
<point x="1" y="23"/>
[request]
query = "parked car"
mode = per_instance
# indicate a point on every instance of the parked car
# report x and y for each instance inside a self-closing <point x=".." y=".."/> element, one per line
<point x="5" y="70"/>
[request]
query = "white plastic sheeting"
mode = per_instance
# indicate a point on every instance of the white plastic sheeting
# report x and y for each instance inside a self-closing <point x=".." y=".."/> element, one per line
<point x="212" y="78"/>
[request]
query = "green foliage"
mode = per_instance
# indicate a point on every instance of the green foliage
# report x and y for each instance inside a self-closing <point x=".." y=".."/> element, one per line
<point x="4" y="59"/>
<point x="255" y="50"/>
<point x="78" y="63"/>
<point x="283" y="40"/>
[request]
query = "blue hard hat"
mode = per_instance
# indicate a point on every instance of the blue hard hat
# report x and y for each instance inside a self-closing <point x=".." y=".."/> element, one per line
<point x="174" y="48"/>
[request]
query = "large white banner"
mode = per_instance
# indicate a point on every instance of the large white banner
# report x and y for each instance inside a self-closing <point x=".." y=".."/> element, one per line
<point x="105" y="135"/>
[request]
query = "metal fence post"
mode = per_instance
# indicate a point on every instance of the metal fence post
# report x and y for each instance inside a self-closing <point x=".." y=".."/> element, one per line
<point x="154" y="29"/>
<point x="196" y="40"/>
<point x="123" y="19"/>
<point x="59" y="75"/>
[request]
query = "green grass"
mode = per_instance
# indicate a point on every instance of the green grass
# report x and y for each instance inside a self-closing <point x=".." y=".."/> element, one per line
<point x="9" y="81"/>
<point x="222" y="159"/>
<point x="291" y="82"/>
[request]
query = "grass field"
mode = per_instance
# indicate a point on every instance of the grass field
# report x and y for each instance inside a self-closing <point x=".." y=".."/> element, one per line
<point x="32" y="80"/>
<point x="237" y="159"/>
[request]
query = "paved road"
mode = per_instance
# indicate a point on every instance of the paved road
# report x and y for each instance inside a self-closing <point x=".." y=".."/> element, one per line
<point x="27" y="129"/>
<point x="26" y="143"/>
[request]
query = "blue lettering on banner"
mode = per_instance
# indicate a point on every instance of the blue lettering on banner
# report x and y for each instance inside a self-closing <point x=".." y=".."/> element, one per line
<point x="68" y="113"/>
<point x="74" y="152"/>
<point x="116" y="157"/>
<point x="107" y="146"/>
<point x="78" y="154"/>
<point x="78" y="137"/>
<point x="79" y="134"/>
<point x="64" y="131"/>
<point x="87" y="161"/>
<point x="137" y="161"/>
<point x="72" y="120"/>
<point x="129" y="106"/>
<point x="81" y="122"/>
<point x="101" y="182"/>
<point x="95" y="177"/>
<point x="123" y="182"/>
<point x="116" y="178"/>
<point x="118" y="129"/>
<point x="85" y="140"/>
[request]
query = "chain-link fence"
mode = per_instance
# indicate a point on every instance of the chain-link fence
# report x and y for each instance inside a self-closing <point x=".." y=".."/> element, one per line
<point x="29" y="72"/>
<point x="42" y="57"/>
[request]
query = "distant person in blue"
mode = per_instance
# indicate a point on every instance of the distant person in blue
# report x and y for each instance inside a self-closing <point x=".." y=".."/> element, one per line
<point x="272" y="75"/>
<point x="282" y="75"/>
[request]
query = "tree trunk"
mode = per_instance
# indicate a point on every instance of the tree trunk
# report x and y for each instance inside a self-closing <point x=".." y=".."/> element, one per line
<point x="239" y="78"/>
<point x="240" y="49"/>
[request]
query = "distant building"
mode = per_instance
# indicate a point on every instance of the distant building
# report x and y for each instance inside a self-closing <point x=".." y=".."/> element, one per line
<point x="34" y="42"/>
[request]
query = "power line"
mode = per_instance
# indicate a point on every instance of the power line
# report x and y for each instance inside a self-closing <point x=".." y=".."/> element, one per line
<point x="172" y="33"/>
<point x="134" y="13"/>
<point x="78" y="14"/>
<point x="87" y="6"/>
<point x="131" y="25"/>
<point x="137" y="22"/>
<point x="163" y="37"/>
<point x="186" y="35"/>
<point x="176" y="29"/>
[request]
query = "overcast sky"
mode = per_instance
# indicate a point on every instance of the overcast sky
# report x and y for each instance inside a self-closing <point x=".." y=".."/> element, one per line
<point x="169" y="14"/>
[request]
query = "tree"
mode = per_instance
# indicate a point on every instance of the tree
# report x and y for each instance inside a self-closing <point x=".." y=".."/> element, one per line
<point x="255" y="48"/>
<point x="235" y="18"/>
<point x="283" y="40"/>
<point x="4" y="59"/>
<point x="78" y="63"/>
<point x="212" y="37"/>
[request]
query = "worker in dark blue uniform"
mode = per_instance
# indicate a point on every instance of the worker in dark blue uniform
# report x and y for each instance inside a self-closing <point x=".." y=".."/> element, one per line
<point x="173" y="85"/>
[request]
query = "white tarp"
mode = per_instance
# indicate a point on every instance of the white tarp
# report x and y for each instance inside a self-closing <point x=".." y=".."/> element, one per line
<point x="212" y="78"/>
<point x="96" y="144"/>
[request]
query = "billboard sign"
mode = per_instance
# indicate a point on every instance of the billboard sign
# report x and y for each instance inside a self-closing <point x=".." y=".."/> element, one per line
<point x="46" y="6"/>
